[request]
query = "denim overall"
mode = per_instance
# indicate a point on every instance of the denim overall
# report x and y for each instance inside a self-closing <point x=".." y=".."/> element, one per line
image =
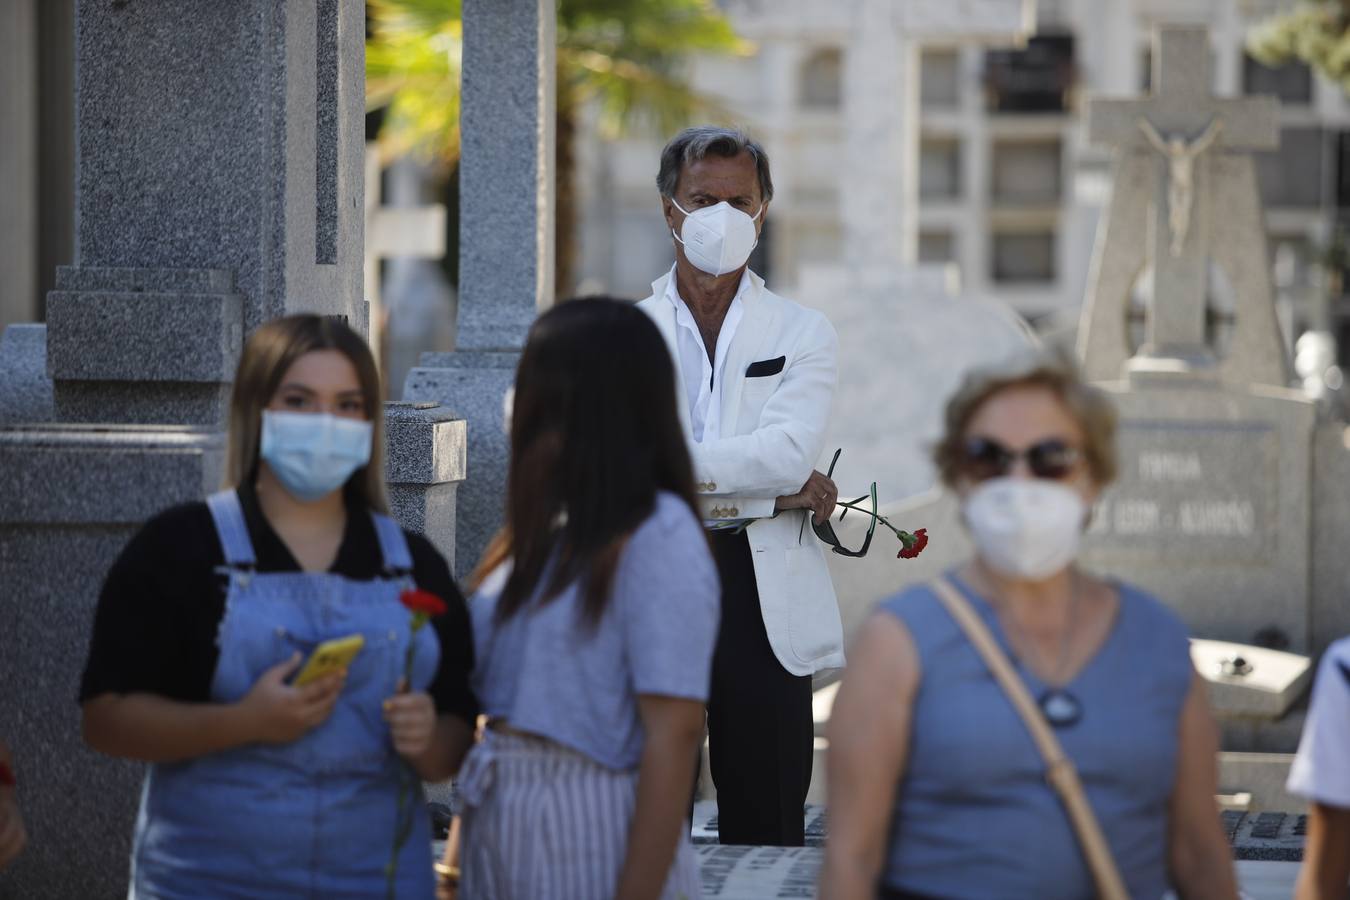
<point x="315" y="817"/>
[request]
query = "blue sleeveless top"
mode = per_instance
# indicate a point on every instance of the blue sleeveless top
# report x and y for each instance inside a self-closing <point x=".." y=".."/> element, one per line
<point x="974" y="816"/>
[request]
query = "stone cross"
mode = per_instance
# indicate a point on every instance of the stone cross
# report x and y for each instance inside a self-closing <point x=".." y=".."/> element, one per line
<point x="394" y="232"/>
<point x="1185" y="196"/>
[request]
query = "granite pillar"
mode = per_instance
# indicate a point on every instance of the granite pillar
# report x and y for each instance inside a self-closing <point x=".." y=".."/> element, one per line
<point x="506" y="241"/>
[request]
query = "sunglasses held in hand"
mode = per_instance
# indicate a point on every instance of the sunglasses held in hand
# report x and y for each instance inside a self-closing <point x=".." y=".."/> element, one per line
<point x="911" y="544"/>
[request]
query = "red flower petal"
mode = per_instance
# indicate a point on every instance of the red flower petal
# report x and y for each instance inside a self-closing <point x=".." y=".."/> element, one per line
<point x="7" y="776"/>
<point x="420" y="601"/>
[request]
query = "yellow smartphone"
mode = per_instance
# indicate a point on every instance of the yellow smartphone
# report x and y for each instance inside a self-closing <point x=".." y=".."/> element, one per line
<point x="328" y="657"/>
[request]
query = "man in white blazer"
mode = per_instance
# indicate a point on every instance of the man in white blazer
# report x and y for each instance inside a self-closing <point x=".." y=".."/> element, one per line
<point x="756" y="376"/>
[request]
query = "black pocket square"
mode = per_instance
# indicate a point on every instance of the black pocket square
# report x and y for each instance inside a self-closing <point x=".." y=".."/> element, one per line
<point x="765" y="367"/>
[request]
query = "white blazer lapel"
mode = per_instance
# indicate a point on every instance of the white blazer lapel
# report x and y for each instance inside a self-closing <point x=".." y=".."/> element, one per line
<point x="749" y="344"/>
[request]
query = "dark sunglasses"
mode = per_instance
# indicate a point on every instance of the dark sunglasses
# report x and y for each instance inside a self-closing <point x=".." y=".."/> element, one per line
<point x="825" y="531"/>
<point x="985" y="458"/>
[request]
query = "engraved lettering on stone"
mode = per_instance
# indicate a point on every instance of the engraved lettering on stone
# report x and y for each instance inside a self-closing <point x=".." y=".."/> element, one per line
<point x="1137" y="517"/>
<point x="1162" y="466"/>
<point x="1217" y="518"/>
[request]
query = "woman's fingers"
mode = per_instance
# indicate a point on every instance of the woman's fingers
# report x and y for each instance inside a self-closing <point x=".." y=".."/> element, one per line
<point x="412" y="720"/>
<point x="13" y="836"/>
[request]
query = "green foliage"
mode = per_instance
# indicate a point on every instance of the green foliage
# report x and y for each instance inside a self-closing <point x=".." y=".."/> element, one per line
<point x="1316" y="32"/>
<point x="412" y="69"/>
<point x="623" y="55"/>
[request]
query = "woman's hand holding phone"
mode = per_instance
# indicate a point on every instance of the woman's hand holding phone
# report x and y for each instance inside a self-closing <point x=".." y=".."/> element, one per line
<point x="279" y="713"/>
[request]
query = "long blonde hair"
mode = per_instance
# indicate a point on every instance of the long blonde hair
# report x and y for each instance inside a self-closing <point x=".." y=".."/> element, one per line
<point x="267" y="356"/>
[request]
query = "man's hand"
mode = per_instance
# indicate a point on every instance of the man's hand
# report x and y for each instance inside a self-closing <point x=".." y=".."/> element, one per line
<point x="819" y="495"/>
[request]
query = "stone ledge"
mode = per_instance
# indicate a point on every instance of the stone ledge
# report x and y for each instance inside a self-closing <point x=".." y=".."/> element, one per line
<point x="143" y="336"/>
<point x="175" y="281"/>
<point x="73" y="474"/>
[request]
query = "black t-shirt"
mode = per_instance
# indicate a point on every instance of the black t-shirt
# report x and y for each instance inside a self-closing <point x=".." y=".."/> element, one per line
<point x="161" y="605"/>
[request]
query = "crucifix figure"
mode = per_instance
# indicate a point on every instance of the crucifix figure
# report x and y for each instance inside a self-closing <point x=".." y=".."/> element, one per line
<point x="1181" y="158"/>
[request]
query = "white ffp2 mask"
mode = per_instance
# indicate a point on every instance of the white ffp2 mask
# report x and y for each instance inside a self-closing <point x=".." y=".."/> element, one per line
<point x="1025" y="528"/>
<point x="717" y="239"/>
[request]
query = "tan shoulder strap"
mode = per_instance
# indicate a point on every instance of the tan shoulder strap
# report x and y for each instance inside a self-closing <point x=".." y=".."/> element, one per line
<point x="1059" y="769"/>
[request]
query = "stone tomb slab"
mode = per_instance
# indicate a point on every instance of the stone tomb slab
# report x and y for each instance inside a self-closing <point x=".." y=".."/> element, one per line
<point x="1211" y="510"/>
<point x="1250" y="681"/>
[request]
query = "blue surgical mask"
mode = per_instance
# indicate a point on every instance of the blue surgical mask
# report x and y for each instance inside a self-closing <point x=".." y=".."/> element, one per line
<point x="313" y="454"/>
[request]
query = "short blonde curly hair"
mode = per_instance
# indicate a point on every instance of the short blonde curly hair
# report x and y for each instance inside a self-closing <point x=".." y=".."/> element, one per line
<point x="1057" y="373"/>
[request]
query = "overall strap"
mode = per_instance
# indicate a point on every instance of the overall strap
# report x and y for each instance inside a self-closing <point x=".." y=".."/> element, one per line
<point x="1059" y="769"/>
<point x="229" y="518"/>
<point x="393" y="545"/>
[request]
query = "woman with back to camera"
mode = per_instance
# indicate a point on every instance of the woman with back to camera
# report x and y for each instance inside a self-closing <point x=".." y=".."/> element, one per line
<point x="937" y="789"/>
<point x="259" y="787"/>
<point x="594" y="618"/>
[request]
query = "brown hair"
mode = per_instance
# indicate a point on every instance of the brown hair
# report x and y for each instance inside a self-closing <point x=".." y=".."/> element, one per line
<point x="595" y="435"/>
<point x="267" y="356"/>
<point x="1090" y="407"/>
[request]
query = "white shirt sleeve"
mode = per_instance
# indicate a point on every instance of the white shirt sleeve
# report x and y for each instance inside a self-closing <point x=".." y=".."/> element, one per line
<point x="1321" y="770"/>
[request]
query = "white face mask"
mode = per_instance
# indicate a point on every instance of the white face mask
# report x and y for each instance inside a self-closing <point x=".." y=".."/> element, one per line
<point x="717" y="239"/>
<point x="1025" y="528"/>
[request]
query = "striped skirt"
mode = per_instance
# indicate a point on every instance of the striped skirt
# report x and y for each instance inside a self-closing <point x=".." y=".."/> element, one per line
<point x="542" y="822"/>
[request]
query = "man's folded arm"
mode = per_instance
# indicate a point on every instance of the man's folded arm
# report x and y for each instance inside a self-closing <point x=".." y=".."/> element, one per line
<point x="777" y="457"/>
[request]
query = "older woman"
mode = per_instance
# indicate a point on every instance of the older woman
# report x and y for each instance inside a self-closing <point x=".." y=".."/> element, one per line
<point x="936" y="787"/>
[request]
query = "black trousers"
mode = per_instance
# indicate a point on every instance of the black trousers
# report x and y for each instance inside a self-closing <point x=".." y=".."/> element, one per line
<point x="760" y="728"/>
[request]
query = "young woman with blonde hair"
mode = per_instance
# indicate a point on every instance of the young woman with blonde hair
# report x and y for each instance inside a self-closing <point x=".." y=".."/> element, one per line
<point x="259" y="787"/>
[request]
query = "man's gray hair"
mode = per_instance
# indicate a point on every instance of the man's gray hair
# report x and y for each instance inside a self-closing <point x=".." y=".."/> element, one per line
<point x="693" y="144"/>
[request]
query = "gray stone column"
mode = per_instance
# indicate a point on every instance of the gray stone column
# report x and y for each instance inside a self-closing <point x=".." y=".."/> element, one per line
<point x="506" y="241"/>
<point x="224" y="138"/>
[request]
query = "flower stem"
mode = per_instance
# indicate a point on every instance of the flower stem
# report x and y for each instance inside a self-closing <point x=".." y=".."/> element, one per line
<point x="880" y="518"/>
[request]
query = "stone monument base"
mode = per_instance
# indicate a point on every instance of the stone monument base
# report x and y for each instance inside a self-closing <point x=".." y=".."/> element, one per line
<point x="70" y="497"/>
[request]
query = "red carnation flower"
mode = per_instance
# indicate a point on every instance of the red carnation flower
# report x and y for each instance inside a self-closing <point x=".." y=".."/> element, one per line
<point x="424" y="602"/>
<point x="914" y="546"/>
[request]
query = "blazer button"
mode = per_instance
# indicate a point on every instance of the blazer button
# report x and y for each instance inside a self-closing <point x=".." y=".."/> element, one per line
<point x="717" y="512"/>
<point x="735" y="512"/>
<point x="712" y="485"/>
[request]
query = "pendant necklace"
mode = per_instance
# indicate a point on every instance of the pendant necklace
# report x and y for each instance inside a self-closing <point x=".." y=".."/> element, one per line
<point x="1058" y="704"/>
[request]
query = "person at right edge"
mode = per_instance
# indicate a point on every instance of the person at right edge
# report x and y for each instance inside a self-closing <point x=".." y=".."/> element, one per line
<point x="937" y="787"/>
<point x="1321" y="773"/>
<point x="756" y="376"/>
